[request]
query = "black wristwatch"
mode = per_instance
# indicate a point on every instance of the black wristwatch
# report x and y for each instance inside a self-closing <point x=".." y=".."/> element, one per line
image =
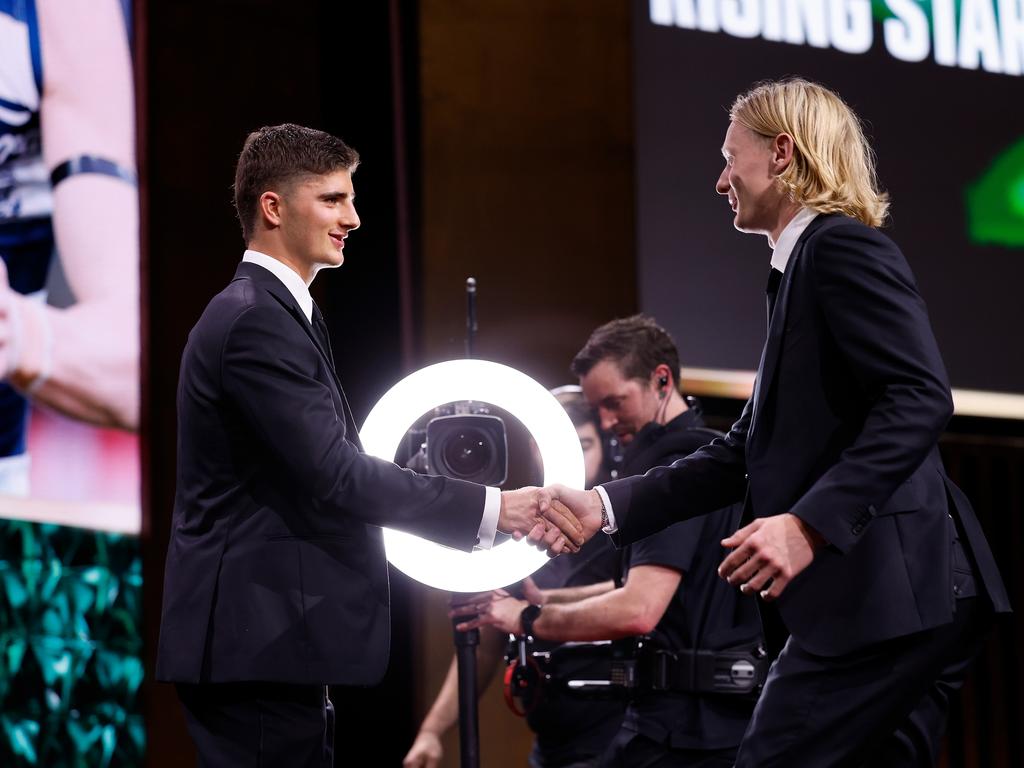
<point x="527" y="617"/>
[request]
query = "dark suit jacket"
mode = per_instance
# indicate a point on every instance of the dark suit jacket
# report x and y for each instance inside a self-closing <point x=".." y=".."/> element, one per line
<point x="851" y="398"/>
<point x="276" y="567"/>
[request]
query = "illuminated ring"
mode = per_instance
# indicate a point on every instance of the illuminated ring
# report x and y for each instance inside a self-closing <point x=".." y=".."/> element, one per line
<point x="499" y="385"/>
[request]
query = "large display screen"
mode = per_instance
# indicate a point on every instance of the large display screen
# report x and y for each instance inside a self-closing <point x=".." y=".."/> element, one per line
<point x="939" y="88"/>
<point x="70" y="570"/>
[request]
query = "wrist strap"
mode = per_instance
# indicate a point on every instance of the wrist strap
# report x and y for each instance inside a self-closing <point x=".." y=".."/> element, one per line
<point x="92" y="164"/>
<point x="527" y="616"/>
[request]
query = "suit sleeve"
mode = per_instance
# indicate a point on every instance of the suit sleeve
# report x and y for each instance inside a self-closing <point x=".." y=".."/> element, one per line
<point x="268" y="368"/>
<point x="708" y="479"/>
<point x="878" y="320"/>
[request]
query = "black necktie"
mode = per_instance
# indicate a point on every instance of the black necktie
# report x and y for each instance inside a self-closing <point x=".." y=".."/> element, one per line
<point x="772" y="291"/>
<point x="320" y="329"/>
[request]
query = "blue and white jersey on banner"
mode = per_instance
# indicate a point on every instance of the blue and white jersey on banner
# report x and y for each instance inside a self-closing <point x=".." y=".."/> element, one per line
<point x="26" y="198"/>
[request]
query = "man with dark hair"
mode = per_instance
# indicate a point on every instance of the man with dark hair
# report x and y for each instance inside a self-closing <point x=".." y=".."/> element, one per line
<point x="667" y="587"/>
<point x="881" y="571"/>
<point x="276" y="582"/>
<point x="637" y="345"/>
<point x="629" y="363"/>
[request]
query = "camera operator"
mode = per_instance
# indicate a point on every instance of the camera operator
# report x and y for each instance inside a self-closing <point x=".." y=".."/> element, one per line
<point x="573" y="733"/>
<point x="671" y="590"/>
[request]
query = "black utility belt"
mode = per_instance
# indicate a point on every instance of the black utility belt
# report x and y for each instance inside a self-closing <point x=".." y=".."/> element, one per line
<point x="733" y="671"/>
<point x="617" y="669"/>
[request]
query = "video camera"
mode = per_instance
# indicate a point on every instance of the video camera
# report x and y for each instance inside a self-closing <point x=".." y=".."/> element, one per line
<point x="462" y="440"/>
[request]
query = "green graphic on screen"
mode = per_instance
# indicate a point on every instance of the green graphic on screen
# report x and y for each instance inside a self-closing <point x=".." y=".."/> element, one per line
<point x="995" y="202"/>
<point x="70" y="648"/>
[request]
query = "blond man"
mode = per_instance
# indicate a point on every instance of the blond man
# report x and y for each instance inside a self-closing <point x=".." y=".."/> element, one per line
<point x="853" y="533"/>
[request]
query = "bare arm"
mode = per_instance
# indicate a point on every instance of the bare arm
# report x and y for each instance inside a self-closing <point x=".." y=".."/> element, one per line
<point x="633" y="610"/>
<point x="572" y="594"/>
<point x="84" y="360"/>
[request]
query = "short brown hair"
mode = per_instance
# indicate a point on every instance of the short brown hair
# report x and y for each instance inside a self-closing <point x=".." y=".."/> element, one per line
<point x="276" y="156"/>
<point x="636" y="344"/>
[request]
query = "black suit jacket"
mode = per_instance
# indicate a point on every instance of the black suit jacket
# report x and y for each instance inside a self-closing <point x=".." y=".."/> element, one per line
<point x="850" y="400"/>
<point x="276" y="567"/>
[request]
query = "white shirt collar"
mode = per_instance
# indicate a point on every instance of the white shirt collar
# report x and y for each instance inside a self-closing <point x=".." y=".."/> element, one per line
<point x="296" y="285"/>
<point x="787" y="240"/>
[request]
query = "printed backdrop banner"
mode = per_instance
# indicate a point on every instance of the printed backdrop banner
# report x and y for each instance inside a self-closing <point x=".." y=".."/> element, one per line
<point x="70" y="571"/>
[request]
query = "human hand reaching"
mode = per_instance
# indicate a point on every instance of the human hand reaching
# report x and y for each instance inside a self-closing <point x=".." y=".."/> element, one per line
<point x="425" y="752"/>
<point x="586" y="506"/>
<point x="768" y="554"/>
<point x="497" y="609"/>
<point x="547" y="524"/>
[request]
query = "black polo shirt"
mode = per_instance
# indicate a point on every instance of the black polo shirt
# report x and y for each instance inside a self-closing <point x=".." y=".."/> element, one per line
<point x="705" y="611"/>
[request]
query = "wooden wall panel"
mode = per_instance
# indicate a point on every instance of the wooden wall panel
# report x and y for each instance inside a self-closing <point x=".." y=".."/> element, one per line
<point x="527" y="185"/>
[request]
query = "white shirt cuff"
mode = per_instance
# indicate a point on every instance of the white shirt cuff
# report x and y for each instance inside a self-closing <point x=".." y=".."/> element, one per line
<point x="612" y="526"/>
<point x="489" y="522"/>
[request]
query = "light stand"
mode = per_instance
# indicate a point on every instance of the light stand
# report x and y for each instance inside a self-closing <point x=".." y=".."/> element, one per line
<point x="441" y="567"/>
<point x="469" y="716"/>
<point x="466" y="642"/>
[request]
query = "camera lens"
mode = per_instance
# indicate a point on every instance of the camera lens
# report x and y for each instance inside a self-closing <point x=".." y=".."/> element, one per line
<point x="467" y="452"/>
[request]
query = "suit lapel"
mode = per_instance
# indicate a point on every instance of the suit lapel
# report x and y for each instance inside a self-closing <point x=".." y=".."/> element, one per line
<point x="777" y="327"/>
<point x="284" y="297"/>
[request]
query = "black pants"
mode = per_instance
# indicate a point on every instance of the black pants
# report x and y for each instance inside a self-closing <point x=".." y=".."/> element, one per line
<point x="630" y="749"/>
<point x="883" y="706"/>
<point x="260" y="725"/>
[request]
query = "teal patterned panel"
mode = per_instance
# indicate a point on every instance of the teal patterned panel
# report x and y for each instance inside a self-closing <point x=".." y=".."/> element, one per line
<point x="70" y="647"/>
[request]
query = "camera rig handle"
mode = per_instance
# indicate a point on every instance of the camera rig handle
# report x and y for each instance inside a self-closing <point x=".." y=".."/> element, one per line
<point x="524" y="680"/>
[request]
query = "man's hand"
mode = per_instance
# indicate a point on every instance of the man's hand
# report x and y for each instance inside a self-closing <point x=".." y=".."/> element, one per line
<point x="585" y="505"/>
<point x="425" y="752"/>
<point x="465" y="603"/>
<point x="548" y="525"/>
<point x="497" y="608"/>
<point x="533" y="593"/>
<point x="768" y="554"/>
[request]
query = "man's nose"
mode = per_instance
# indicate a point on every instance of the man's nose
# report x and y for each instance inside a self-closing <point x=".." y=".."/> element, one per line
<point x="350" y="219"/>
<point x="722" y="185"/>
<point x="608" y="420"/>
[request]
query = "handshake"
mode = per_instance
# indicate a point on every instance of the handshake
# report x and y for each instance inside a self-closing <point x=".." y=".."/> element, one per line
<point x="556" y="519"/>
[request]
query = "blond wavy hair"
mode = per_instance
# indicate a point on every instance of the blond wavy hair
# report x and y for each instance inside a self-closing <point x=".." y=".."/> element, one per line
<point x="833" y="167"/>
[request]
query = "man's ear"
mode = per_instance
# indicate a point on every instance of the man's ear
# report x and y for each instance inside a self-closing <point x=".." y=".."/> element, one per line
<point x="269" y="209"/>
<point x="662" y="379"/>
<point x="783" y="147"/>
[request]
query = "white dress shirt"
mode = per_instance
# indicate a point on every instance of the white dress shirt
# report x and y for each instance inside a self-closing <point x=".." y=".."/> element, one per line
<point x="297" y="287"/>
<point x="790" y="234"/>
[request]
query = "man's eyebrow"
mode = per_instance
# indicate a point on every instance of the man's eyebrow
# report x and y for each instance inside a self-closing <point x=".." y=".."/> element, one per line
<point x="337" y="195"/>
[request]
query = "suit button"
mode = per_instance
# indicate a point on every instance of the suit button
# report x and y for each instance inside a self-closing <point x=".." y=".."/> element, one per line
<point x="956" y="589"/>
<point x="857" y="528"/>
